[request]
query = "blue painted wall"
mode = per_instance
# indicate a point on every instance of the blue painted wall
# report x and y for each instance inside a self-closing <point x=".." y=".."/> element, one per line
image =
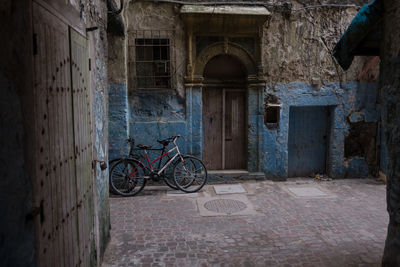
<point x="344" y="100"/>
<point x="118" y="120"/>
<point x="157" y="115"/>
<point x="154" y="115"/>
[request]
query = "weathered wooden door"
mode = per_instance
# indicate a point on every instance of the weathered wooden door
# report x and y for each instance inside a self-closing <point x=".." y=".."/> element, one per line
<point x="212" y="128"/>
<point x="308" y="140"/>
<point x="63" y="175"/>
<point x="224" y="120"/>
<point x="81" y="101"/>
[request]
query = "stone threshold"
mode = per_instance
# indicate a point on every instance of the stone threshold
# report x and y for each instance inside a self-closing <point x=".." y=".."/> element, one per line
<point x="235" y="173"/>
<point x="231" y="173"/>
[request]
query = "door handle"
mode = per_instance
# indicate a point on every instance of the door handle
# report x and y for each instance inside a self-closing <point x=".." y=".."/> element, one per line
<point x="103" y="164"/>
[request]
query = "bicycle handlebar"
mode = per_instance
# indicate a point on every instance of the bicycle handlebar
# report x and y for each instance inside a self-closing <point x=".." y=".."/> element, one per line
<point x="175" y="137"/>
<point x="130" y="140"/>
<point x="172" y="138"/>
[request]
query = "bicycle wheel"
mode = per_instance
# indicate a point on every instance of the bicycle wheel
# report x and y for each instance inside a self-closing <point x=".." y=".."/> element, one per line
<point x="170" y="182"/>
<point x="190" y="175"/>
<point x="168" y="177"/>
<point x="124" y="177"/>
<point x="110" y="165"/>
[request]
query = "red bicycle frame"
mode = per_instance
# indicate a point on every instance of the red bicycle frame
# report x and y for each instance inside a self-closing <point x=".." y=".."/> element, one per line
<point x="150" y="166"/>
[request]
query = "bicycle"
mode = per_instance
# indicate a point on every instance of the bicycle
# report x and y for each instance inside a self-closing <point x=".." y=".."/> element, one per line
<point x="131" y="155"/>
<point x="189" y="172"/>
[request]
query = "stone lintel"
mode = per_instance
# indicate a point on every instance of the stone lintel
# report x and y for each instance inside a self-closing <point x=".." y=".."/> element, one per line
<point x="225" y="10"/>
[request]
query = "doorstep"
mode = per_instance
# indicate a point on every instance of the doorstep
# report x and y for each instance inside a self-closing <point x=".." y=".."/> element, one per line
<point x="232" y="173"/>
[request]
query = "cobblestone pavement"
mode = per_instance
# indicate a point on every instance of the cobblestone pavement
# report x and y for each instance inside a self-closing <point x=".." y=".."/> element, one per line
<point x="348" y="228"/>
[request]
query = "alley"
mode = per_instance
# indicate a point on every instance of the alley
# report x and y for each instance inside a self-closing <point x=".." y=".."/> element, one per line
<point x="301" y="222"/>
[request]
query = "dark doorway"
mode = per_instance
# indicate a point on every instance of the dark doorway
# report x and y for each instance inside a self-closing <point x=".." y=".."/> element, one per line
<point x="308" y="140"/>
<point x="224" y="114"/>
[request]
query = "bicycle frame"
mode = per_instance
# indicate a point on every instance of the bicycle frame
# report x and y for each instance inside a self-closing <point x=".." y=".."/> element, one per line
<point x="150" y="166"/>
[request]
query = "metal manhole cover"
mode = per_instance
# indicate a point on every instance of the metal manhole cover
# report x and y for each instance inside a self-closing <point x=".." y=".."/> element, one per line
<point x="225" y="205"/>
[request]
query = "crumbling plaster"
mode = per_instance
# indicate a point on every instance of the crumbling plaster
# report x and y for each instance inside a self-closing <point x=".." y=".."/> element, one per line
<point x="298" y="47"/>
<point x="94" y="14"/>
<point x="295" y="52"/>
<point x="343" y="99"/>
<point x="144" y="16"/>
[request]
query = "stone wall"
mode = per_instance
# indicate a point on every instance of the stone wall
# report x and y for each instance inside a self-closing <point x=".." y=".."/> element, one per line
<point x="296" y="55"/>
<point x="98" y="48"/>
<point x="117" y="96"/>
<point x="346" y="101"/>
<point x="298" y="3"/>
<point x="390" y="90"/>
<point x="145" y="114"/>
<point x="300" y="71"/>
<point x="298" y="46"/>
<point x="154" y="115"/>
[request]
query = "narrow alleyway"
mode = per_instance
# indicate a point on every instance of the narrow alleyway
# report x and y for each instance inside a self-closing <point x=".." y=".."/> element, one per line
<point x="296" y="223"/>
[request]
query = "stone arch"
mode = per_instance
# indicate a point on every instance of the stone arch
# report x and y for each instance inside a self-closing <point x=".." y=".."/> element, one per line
<point x="223" y="48"/>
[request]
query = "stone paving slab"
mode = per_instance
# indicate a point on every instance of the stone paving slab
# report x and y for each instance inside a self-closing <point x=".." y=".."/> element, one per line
<point x="153" y="229"/>
<point x="177" y="193"/>
<point x="229" y="189"/>
<point x="307" y="191"/>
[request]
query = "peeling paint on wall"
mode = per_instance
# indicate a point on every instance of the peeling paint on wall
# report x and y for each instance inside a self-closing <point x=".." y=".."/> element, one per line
<point x="351" y="96"/>
<point x="118" y="120"/>
<point x="299" y="71"/>
<point x="156" y="106"/>
<point x="100" y="126"/>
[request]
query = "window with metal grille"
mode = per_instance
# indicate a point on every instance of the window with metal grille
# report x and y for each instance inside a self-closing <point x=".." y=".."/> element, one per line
<point x="153" y="64"/>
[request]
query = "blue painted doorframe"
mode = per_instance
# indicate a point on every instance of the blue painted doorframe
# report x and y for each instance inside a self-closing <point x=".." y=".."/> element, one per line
<point x="195" y="140"/>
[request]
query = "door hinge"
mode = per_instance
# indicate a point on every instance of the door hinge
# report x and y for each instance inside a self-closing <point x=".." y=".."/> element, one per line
<point x="35" y="211"/>
<point x="35" y="47"/>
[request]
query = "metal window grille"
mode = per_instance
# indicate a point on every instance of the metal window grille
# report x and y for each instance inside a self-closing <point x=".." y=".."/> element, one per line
<point x="150" y="58"/>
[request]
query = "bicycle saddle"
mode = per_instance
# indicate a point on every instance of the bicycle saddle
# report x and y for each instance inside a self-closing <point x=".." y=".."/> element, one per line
<point x="143" y="146"/>
<point x="164" y="142"/>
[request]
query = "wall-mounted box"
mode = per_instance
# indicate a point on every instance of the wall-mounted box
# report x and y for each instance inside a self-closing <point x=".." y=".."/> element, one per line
<point x="272" y="115"/>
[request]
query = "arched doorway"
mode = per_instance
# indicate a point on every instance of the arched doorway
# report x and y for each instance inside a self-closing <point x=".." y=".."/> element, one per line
<point x="224" y="113"/>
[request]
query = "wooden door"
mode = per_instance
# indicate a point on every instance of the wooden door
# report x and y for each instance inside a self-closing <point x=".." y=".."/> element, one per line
<point x="212" y="128"/>
<point x="308" y="140"/>
<point x="234" y="134"/>
<point x="81" y="97"/>
<point x="63" y="175"/>
<point x="224" y="120"/>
